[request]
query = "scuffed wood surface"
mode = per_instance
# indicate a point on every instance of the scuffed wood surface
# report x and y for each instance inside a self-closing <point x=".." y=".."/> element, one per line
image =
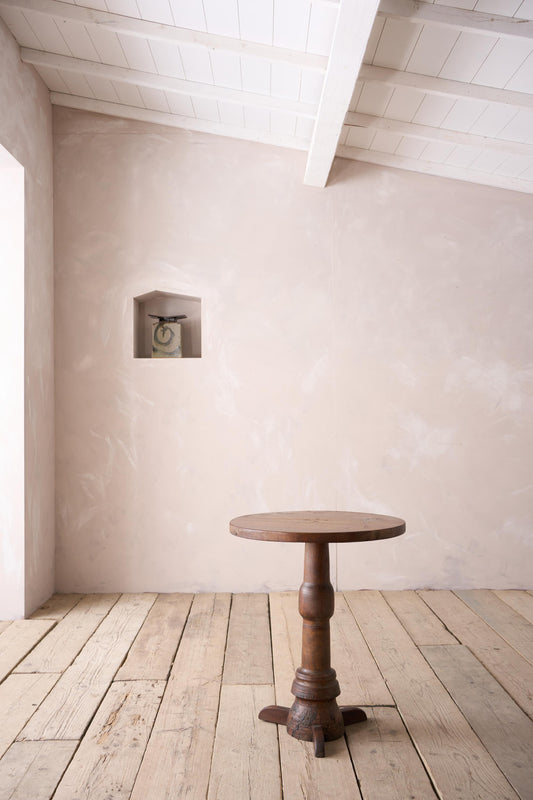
<point x="18" y="639"/>
<point x="180" y="748"/>
<point x="502" y="726"/>
<point x="153" y="651"/>
<point x="59" y="649"/>
<point x="109" y="756"/>
<point x="512" y="671"/>
<point x="245" y="757"/>
<point x="31" y="770"/>
<point x="162" y="698"/>
<point x="20" y="696"/>
<point x="422" y="625"/>
<point x="248" y="652"/>
<point x="71" y="704"/>
<point x="57" y="606"/>
<point x="509" y="624"/>
<point x="457" y="761"/>
<point x="519" y="600"/>
<point x="385" y="759"/>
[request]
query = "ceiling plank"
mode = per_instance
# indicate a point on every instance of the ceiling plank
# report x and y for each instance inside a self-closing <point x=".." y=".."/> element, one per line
<point x="165" y="83"/>
<point x="354" y="24"/>
<point x="131" y="26"/>
<point x="427" y="132"/>
<point x="431" y="168"/>
<point x="174" y="120"/>
<point x="459" y="18"/>
<point x="445" y="87"/>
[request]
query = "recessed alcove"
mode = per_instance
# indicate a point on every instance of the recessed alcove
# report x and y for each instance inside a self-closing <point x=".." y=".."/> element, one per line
<point x="167" y="304"/>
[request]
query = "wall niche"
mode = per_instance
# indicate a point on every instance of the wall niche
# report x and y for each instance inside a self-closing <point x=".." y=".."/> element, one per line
<point x="167" y="304"/>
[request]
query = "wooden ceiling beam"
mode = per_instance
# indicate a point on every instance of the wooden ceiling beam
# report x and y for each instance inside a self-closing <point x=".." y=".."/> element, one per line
<point x="429" y="133"/>
<point x="131" y="26"/>
<point x="165" y="83"/>
<point x="354" y="24"/>
<point x="431" y="168"/>
<point x="174" y="120"/>
<point x="459" y="18"/>
<point x="445" y="87"/>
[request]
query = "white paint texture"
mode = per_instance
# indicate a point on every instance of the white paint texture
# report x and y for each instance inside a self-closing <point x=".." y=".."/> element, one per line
<point x="365" y="347"/>
<point x="12" y="388"/>
<point x="26" y="132"/>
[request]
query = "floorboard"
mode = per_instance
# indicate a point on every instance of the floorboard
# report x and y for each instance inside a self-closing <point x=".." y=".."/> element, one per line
<point x="519" y="600"/>
<point x="177" y="761"/>
<point x="33" y="769"/>
<point x="457" y="761"/>
<point x="510" y="625"/>
<point x="500" y="724"/>
<point x="304" y="776"/>
<point x="152" y="653"/>
<point x="18" y="639"/>
<point x="71" y="704"/>
<point x="109" y="756"/>
<point x="510" y="668"/>
<point x="245" y="757"/>
<point x="248" y="651"/>
<point x="58" y="650"/>
<point x="129" y="697"/>
<point x="422" y="625"/>
<point x="57" y="606"/>
<point x="385" y="759"/>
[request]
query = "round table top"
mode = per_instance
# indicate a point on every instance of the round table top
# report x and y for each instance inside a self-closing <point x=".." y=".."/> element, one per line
<point x="316" y="526"/>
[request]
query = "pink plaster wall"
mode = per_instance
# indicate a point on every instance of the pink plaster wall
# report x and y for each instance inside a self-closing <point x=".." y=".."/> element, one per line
<point x="365" y="347"/>
<point x="26" y="132"/>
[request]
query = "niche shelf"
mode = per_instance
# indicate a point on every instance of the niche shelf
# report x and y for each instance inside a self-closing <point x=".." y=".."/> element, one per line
<point x="167" y="304"/>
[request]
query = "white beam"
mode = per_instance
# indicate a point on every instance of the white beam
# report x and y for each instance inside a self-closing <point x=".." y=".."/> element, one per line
<point x="354" y="24"/>
<point x="427" y="132"/>
<point x="430" y="168"/>
<point x="165" y="83"/>
<point x="145" y="29"/>
<point x="459" y="18"/>
<point x="445" y="87"/>
<point x="174" y="120"/>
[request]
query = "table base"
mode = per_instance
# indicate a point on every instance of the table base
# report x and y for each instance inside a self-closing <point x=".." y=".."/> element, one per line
<point x="314" y="721"/>
<point x="315" y="716"/>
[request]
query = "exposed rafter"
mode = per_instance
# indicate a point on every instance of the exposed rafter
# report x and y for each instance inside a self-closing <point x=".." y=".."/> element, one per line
<point x="165" y="83"/>
<point x="430" y="168"/>
<point x="442" y="86"/>
<point x="131" y="26"/>
<point x="175" y="120"/>
<point x="69" y="27"/>
<point x="354" y="23"/>
<point x="462" y="19"/>
<point x="429" y="133"/>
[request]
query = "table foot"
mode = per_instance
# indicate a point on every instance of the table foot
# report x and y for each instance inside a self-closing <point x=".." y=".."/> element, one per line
<point x="312" y="721"/>
<point x="306" y="715"/>
<point x="352" y="714"/>
<point x="277" y="714"/>
<point x="318" y="741"/>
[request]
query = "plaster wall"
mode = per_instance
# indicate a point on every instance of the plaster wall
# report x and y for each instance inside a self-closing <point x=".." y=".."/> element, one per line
<point x="26" y="133"/>
<point x="364" y="347"/>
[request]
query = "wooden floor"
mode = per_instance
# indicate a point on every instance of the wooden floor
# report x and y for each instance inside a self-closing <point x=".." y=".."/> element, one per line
<point x="155" y="697"/>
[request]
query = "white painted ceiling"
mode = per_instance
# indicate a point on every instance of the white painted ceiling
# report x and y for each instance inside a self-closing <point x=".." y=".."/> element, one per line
<point x="442" y="87"/>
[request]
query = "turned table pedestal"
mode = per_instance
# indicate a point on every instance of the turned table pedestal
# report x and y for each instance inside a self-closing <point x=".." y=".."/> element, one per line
<point x="314" y="715"/>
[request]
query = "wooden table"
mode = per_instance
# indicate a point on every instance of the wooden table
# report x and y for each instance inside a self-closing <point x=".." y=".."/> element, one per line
<point x="314" y="715"/>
